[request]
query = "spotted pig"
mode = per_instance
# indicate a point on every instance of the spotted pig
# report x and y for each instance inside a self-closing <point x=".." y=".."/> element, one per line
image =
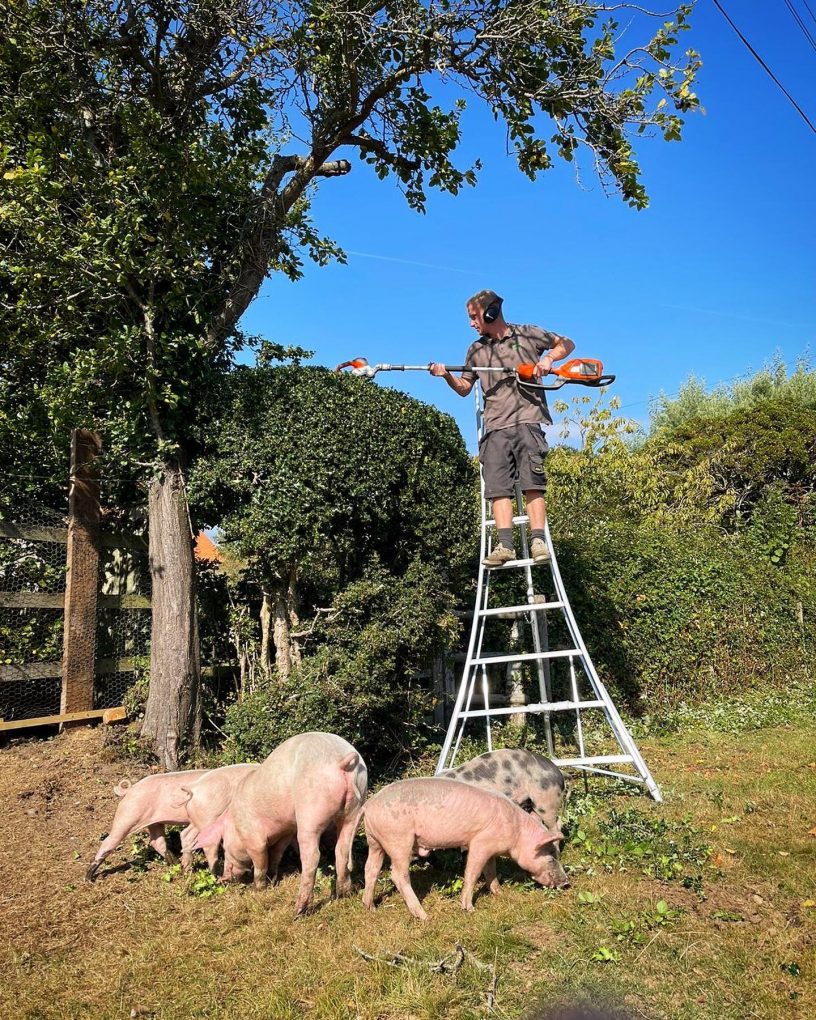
<point x="528" y="779"/>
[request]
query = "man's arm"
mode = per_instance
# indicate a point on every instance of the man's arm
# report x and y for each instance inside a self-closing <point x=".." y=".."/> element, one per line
<point x="560" y="350"/>
<point x="459" y="384"/>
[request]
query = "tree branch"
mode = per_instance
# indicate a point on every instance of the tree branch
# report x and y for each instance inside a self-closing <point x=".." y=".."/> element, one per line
<point x="260" y="235"/>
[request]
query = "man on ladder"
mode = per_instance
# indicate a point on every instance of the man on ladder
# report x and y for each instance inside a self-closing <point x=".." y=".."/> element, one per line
<point x="513" y="446"/>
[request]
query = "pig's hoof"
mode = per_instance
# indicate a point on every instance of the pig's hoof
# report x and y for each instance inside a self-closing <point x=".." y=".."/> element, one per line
<point x="93" y="868"/>
<point x="170" y="858"/>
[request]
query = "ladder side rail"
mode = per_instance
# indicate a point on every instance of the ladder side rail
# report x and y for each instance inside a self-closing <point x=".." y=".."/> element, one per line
<point x="578" y="720"/>
<point x="464" y="714"/>
<point x="477" y="627"/>
<point x="615" y="721"/>
<point x="486" y="700"/>
<point x="476" y="634"/>
<point x="542" y="665"/>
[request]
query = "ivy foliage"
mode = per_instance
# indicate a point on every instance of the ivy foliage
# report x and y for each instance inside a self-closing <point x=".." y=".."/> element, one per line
<point x="321" y="472"/>
<point x="353" y="505"/>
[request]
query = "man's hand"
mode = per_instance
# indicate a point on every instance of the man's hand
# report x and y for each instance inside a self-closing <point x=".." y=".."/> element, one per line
<point x="543" y="367"/>
<point x="435" y="368"/>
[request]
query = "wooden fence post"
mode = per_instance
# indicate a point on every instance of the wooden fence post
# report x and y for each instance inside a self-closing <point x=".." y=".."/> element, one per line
<point x="82" y="575"/>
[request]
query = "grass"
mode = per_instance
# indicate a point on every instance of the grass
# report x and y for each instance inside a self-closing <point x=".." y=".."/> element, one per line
<point x="703" y="908"/>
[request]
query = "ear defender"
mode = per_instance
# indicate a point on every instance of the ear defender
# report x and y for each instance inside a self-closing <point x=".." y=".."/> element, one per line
<point x="493" y="311"/>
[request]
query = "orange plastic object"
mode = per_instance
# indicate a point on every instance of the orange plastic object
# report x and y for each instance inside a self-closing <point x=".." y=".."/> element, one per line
<point x="354" y="363"/>
<point x="581" y="369"/>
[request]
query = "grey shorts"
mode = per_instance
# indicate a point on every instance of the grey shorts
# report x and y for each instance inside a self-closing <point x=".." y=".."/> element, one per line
<point x="511" y="456"/>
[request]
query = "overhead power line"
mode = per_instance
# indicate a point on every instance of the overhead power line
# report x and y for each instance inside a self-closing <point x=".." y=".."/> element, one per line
<point x="765" y="67"/>
<point x="810" y="10"/>
<point x="797" y="17"/>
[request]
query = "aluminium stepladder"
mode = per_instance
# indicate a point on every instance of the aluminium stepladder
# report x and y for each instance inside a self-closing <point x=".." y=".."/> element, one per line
<point x="579" y="676"/>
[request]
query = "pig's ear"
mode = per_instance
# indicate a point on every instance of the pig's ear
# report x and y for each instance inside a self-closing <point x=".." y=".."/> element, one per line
<point x="549" y="836"/>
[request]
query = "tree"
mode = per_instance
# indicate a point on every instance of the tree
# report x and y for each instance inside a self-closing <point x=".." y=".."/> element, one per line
<point x="158" y="157"/>
<point x="313" y="474"/>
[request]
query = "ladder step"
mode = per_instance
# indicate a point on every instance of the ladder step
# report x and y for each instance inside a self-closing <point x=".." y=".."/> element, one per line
<point x="521" y="519"/>
<point x="514" y="564"/>
<point x="598" y="759"/>
<point x="533" y="607"/>
<point x="537" y="709"/>
<point x="487" y="660"/>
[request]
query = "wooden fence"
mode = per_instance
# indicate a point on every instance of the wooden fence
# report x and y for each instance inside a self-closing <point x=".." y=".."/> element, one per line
<point x="86" y="594"/>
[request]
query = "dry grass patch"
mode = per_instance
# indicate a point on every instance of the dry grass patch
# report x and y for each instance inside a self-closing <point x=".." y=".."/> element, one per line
<point x="736" y="940"/>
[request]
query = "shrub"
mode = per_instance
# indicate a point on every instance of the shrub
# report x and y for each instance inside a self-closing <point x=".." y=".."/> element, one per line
<point x="360" y="676"/>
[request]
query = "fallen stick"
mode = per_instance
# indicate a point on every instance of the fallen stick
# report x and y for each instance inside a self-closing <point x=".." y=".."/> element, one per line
<point x="449" y="964"/>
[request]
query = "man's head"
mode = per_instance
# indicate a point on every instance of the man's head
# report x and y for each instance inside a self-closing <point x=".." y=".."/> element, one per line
<point x="485" y="313"/>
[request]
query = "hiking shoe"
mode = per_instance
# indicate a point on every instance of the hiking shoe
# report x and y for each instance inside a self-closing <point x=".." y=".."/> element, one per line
<point x="499" y="556"/>
<point x="539" y="552"/>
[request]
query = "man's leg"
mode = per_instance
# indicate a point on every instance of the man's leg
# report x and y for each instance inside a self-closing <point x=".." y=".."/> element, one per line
<point x="537" y="514"/>
<point x="503" y="512"/>
<point x="536" y="509"/>
<point x="499" y="478"/>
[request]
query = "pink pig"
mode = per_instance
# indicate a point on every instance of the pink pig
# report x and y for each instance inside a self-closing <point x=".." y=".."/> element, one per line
<point x="162" y="799"/>
<point x="152" y="803"/>
<point x="420" y="815"/>
<point x="208" y="798"/>
<point x="308" y="783"/>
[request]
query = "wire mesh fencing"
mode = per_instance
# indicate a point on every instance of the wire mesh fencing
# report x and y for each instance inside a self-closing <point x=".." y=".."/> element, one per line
<point x="32" y="585"/>
<point x="34" y="666"/>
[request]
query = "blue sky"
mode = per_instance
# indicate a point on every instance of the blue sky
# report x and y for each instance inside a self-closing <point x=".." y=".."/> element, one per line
<point x="717" y="276"/>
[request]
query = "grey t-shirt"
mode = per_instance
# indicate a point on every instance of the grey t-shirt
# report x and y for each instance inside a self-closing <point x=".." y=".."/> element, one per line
<point x="506" y="403"/>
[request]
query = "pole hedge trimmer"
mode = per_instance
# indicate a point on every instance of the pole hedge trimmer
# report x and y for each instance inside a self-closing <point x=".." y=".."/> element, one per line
<point x="580" y="371"/>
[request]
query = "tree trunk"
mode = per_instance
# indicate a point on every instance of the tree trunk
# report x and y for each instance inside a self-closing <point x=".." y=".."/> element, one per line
<point x="266" y="635"/>
<point x="287" y="648"/>
<point x="173" y="712"/>
<point x="281" y="632"/>
<point x="294" y="619"/>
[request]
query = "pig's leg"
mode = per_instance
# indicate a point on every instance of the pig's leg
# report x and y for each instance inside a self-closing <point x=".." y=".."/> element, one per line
<point x="159" y="843"/>
<point x="276" y="851"/>
<point x="477" y="860"/>
<point x="259" y="855"/>
<point x="400" y="864"/>
<point x="489" y="873"/>
<point x="188" y="837"/>
<point x="373" y="867"/>
<point x="309" y="861"/>
<point x="346" y="828"/>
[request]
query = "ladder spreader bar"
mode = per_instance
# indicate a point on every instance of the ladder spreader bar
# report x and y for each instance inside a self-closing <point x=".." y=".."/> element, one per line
<point x="536" y="709"/>
<point x="487" y="660"/>
<point x="598" y="759"/>
<point x="530" y="607"/>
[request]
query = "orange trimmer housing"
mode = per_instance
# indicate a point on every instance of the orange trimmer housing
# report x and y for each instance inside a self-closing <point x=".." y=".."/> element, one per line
<point x="588" y="371"/>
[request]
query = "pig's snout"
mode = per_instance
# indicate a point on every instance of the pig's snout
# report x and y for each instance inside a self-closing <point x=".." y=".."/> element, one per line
<point x="549" y="880"/>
